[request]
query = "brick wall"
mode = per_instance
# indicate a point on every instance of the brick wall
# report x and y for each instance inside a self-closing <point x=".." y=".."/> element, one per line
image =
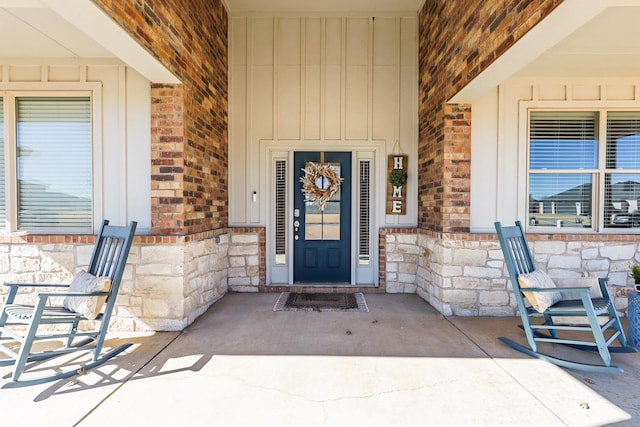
<point x="455" y="44"/>
<point x="167" y="159"/>
<point x="190" y="143"/>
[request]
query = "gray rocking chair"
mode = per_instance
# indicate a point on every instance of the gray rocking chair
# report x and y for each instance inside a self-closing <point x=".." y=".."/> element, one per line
<point x="519" y="261"/>
<point x="105" y="267"/>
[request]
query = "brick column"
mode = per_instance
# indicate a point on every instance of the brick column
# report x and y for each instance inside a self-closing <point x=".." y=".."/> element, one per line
<point x="456" y="182"/>
<point x="167" y="164"/>
<point x="189" y="130"/>
<point x="455" y="45"/>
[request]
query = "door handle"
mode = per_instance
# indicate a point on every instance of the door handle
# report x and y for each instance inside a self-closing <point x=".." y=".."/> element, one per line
<point x="296" y="227"/>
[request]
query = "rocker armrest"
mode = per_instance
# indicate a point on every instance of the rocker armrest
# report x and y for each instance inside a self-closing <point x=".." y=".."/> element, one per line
<point x="14" y="287"/>
<point x="570" y="289"/>
<point x="45" y="295"/>
<point x="35" y="285"/>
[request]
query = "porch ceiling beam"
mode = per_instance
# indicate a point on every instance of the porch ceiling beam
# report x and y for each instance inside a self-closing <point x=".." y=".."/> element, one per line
<point x="92" y="21"/>
<point x="563" y="21"/>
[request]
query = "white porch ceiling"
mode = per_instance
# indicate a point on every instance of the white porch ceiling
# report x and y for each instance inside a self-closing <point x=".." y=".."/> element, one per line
<point x="604" y="41"/>
<point x="323" y="5"/>
<point x="608" y="45"/>
<point x="29" y="29"/>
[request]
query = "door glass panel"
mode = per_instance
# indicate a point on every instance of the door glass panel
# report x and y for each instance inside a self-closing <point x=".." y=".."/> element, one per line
<point x="281" y="213"/>
<point x="365" y="212"/>
<point x="331" y="221"/>
<point x="3" y="207"/>
<point x="324" y="225"/>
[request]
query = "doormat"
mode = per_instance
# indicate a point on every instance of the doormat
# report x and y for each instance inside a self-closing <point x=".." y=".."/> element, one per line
<point x="295" y="301"/>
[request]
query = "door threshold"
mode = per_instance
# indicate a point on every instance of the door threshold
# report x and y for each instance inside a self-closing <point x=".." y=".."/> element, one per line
<point x="318" y="287"/>
<point x="321" y="285"/>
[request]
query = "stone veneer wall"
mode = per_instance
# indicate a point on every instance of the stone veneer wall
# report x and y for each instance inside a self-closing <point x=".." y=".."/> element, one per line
<point x="168" y="281"/>
<point x="465" y="274"/>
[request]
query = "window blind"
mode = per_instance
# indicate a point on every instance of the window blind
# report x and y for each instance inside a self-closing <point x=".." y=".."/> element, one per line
<point x="563" y="140"/>
<point x="562" y="145"/>
<point x="281" y="211"/>
<point x="53" y="137"/>
<point x="623" y="140"/>
<point x="365" y="212"/>
<point x="3" y="205"/>
<point x="622" y="180"/>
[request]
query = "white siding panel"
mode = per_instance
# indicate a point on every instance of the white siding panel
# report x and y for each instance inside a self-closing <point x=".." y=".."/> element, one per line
<point x="357" y="79"/>
<point x="317" y="82"/>
<point x="484" y="167"/>
<point x="356" y="102"/>
<point x="408" y="44"/>
<point x="312" y="103"/>
<point x="260" y="114"/>
<point x="333" y="79"/>
<point x="312" y="100"/>
<point x="385" y="41"/>
<point x="238" y="109"/>
<point x="357" y="41"/>
<point x="113" y="134"/>
<point x="288" y="102"/>
<point x="58" y="73"/>
<point x="589" y="92"/>
<point x="621" y="92"/>
<point x="238" y="141"/>
<point x="25" y="73"/>
<point x="384" y="103"/>
<point x="261" y="48"/>
<point x="552" y="92"/>
<point x="288" y="78"/>
<point x="289" y="38"/>
<point x="332" y="102"/>
<point x="238" y="45"/>
<point x="138" y="150"/>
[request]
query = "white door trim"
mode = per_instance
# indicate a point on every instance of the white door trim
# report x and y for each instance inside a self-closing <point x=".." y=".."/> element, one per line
<point x="373" y="151"/>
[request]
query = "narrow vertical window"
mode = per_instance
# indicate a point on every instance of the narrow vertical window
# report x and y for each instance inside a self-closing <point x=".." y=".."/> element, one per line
<point x="365" y="213"/>
<point x="281" y="211"/>
<point x="54" y="167"/>
<point x="3" y="206"/>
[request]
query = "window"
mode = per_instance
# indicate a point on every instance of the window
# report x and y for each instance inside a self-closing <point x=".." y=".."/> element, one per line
<point x="281" y="211"/>
<point x="364" y="243"/>
<point x="324" y="224"/>
<point x="622" y="173"/>
<point x="3" y="204"/>
<point x="584" y="169"/>
<point x="52" y="141"/>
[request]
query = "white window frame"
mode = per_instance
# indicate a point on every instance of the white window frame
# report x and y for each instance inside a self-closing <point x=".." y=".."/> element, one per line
<point x="598" y="174"/>
<point x="9" y="92"/>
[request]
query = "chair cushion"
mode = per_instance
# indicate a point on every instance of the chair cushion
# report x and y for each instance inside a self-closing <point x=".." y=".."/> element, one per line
<point x="85" y="282"/>
<point x="539" y="300"/>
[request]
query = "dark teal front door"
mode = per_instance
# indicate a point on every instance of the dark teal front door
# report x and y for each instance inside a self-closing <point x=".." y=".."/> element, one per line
<point x="322" y="238"/>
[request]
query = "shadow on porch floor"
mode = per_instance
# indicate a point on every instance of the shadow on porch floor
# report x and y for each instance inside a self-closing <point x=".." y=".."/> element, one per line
<point x="402" y="363"/>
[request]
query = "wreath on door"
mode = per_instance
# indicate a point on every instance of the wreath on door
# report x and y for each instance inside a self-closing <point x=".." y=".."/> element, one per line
<point x="320" y="183"/>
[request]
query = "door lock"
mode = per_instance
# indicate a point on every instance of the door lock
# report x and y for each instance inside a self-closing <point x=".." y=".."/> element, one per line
<point x="296" y="227"/>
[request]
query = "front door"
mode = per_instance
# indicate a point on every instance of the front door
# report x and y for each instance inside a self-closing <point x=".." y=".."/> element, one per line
<point x="322" y="234"/>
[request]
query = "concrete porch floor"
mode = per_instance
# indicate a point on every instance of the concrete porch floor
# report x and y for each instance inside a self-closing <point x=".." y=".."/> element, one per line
<point x="401" y="364"/>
